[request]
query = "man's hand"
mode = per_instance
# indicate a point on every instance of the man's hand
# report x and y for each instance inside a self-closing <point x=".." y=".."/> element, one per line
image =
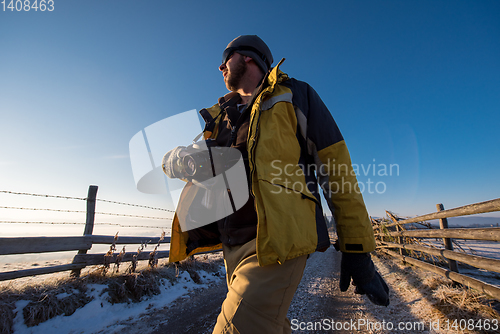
<point x="359" y="267"/>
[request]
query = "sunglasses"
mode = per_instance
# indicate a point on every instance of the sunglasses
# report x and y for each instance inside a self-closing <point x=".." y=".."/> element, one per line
<point x="229" y="52"/>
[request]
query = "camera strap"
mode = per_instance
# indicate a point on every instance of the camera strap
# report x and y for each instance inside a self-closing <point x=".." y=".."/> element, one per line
<point x="207" y="125"/>
<point x="225" y="107"/>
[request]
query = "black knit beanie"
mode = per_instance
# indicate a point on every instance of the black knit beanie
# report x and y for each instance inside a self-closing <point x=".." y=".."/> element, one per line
<point x="252" y="46"/>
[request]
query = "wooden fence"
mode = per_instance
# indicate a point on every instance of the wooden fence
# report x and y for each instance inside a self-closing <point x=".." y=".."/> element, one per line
<point x="394" y="236"/>
<point x="389" y="236"/>
<point x="27" y="245"/>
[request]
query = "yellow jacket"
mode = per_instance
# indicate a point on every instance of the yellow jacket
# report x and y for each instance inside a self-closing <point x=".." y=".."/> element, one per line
<point x="293" y="144"/>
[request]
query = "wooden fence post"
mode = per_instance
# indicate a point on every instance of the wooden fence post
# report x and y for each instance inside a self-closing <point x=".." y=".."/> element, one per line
<point x="402" y="251"/>
<point x="443" y="224"/>
<point x="89" y="223"/>
<point x="400" y="241"/>
<point x="375" y="225"/>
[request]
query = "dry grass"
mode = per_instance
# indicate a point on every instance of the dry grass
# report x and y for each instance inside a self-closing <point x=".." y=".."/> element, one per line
<point x="53" y="297"/>
<point x="46" y="301"/>
<point x="48" y="304"/>
<point x="133" y="287"/>
<point x="453" y="302"/>
<point x="433" y="297"/>
<point x="464" y="303"/>
<point x="7" y="318"/>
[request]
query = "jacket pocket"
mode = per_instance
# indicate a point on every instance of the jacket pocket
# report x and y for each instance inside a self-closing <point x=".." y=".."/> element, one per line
<point x="289" y="227"/>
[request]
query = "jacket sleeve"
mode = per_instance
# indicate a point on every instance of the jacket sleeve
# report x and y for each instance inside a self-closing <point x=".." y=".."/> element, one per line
<point x="335" y="173"/>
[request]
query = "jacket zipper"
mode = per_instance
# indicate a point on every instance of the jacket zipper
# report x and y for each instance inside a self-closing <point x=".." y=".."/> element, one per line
<point x="254" y="141"/>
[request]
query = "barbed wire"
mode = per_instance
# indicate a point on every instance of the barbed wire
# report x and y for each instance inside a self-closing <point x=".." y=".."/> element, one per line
<point x="80" y="211"/>
<point x="136" y="205"/>
<point x="41" y="195"/>
<point x="84" y="199"/>
<point x="76" y="223"/>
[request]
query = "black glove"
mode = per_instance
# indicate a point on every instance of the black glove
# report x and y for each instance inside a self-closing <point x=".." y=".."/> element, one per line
<point x="360" y="267"/>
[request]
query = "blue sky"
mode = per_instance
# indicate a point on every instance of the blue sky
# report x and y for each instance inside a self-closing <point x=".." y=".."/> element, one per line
<point x="412" y="83"/>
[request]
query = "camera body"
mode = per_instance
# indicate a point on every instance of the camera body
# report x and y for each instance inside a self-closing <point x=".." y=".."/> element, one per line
<point x="219" y="185"/>
<point x="199" y="161"/>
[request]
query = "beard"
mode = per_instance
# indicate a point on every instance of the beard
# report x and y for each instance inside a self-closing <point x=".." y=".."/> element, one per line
<point x="233" y="78"/>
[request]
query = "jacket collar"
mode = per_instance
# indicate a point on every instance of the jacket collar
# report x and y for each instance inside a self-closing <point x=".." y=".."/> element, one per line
<point x="276" y="76"/>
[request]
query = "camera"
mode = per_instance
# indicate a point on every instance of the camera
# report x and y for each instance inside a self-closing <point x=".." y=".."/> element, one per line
<point x="219" y="181"/>
<point x="199" y="161"/>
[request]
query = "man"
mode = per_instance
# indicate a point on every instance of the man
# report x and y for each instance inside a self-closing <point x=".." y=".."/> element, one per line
<point x="290" y="144"/>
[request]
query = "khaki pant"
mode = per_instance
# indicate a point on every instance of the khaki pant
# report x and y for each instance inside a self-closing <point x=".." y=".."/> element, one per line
<point x="258" y="297"/>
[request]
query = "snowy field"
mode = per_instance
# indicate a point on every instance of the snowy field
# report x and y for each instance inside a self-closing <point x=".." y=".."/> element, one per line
<point x="100" y="315"/>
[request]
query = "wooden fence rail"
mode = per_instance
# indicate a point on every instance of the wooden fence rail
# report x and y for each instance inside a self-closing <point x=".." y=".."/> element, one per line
<point x="480" y="262"/>
<point x="398" y="239"/>
<point x="489" y="289"/>
<point x="471" y="209"/>
<point x="486" y="234"/>
<point x="27" y="245"/>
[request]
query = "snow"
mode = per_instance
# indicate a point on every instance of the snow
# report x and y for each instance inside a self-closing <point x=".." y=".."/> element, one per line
<point x="62" y="295"/>
<point x="488" y="249"/>
<point x="100" y="314"/>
